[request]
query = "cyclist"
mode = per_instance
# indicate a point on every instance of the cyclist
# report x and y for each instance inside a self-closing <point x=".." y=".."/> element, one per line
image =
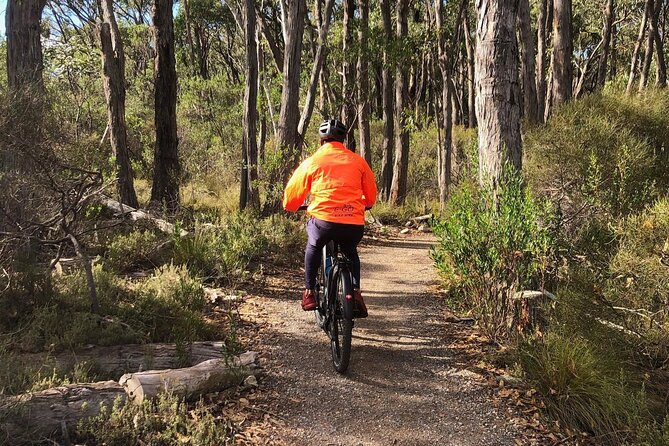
<point x="342" y="186"/>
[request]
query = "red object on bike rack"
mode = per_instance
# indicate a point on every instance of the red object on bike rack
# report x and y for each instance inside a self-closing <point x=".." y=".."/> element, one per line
<point x="349" y="297"/>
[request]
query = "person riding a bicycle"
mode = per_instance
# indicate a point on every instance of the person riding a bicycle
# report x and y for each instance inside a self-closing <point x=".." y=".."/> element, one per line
<point x="342" y="186"/>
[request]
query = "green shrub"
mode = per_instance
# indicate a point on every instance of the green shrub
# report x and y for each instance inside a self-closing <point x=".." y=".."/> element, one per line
<point x="582" y="389"/>
<point x="58" y="327"/>
<point x="19" y="375"/>
<point x="620" y="137"/>
<point x="488" y="253"/>
<point x="640" y="266"/>
<point x="72" y="290"/>
<point x="136" y="249"/>
<point x="43" y="327"/>
<point x="284" y="237"/>
<point x="654" y="434"/>
<point x="166" y="422"/>
<point x="388" y="214"/>
<point x="226" y="250"/>
<point x="169" y="307"/>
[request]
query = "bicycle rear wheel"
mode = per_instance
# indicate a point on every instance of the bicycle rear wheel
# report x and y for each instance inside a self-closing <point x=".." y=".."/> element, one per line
<point x="321" y="300"/>
<point x="341" y="324"/>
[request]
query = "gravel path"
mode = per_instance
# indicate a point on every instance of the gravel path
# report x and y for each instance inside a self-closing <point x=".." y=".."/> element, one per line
<point x="404" y="385"/>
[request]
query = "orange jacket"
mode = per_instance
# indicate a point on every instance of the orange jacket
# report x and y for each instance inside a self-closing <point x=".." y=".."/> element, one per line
<point x="340" y="182"/>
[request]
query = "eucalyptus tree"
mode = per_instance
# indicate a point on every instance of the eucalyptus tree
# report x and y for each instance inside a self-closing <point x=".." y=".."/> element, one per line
<point x="113" y="70"/>
<point x="398" y="188"/>
<point x="388" y="116"/>
<point x="24" y="46"/>
<point x="497" y="90"/>
<point x="530" y="107"/>
<point x="562" y="52"/>
<point x="607" y="32"/>
<point x="249" y="189"/>
<point x="166" y="168"/>
<point x="363" y="93"/>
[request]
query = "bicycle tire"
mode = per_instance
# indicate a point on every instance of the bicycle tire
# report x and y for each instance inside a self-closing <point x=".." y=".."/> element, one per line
<point x="321" y="288"/>
<point x="322" y="285"/>
<point x="341" y="323"/>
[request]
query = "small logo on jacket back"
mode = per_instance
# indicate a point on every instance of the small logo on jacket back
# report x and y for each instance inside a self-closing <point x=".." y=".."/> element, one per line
<point x="345" y="210"/>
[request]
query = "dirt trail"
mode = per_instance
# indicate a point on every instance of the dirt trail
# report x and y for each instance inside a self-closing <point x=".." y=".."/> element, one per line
<point x="405" y="386"/>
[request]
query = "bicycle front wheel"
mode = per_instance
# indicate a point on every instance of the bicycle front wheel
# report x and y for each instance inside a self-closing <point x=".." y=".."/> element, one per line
<point x="341" y="325"/>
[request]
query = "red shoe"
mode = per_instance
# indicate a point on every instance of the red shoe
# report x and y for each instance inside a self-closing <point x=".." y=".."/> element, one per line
<point x="309" y="301"/>
<point x="360" y="309"/>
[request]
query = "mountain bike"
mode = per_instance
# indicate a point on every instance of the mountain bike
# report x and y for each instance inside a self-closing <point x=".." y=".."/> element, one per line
<point x="334" y="296"/>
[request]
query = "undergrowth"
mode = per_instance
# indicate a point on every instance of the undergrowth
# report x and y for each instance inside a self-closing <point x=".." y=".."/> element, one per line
<point x="168" y="421"/>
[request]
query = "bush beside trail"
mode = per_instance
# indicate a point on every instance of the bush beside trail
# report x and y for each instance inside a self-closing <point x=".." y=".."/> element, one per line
<point x="600" y="246"/>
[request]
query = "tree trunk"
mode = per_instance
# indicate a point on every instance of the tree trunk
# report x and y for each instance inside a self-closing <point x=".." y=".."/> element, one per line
<point x="650" y="40"/>
<point x="189" y="33"/>
<point x="661" y="65"/>
<point x="290" y="94"/>
<point x="562" y="52"/>
<point x="113" y="68"/>
<point x="398" y="188"/>
<point x="363" y="84"/>
<point x="540" y="77"/>
<point x="24" y="79"/>
<point x="166" y="170"/>
<point x="613" y="72"/>
<point x="24" y="47"/>
<point x="277" y="57"/>
<point x="497" y="90"/>
<point x="606" y="43"/>
<point x="445" y="146"/>
<point x="249" y="195"/>
<point x="637" y="48"/>
<point x="191" y="382"/>
<point x="471" y="104"/>
<point x="319" y="59"/>
<point x="388" y="104"/>
<point x="348" y="111"/>
<point x="530" y="108"/>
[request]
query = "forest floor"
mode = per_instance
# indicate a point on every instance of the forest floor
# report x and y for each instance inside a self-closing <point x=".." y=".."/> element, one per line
<point x="414" y="379"/>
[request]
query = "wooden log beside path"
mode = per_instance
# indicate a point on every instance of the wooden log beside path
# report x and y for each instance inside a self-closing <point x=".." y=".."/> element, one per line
<point x="207" y="377"/>
<point x="35" y="416"/>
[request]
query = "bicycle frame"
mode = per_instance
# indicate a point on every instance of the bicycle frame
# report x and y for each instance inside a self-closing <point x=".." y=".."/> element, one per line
<point x="335" y="304"/>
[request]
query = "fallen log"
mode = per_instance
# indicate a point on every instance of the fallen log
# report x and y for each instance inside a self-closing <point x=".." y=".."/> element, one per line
<point x="121" y="209"/>
<point x="116" y="360"/>
<point x="39" y="415"/>
<point x="422" y="218"/>
<point x="209" y="376"/>
<point x="31" y="417"/>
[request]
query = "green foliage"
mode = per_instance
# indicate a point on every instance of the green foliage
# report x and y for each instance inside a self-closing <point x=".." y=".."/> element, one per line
<point x="388" y="214"/>
<point x="209" y="144"/>
<point x="654" y="434"/>
<point x="135" y="249"/>
<point x="224" y="251"/>
<point x="486" y="253"/>
<point x="169" y="307"/>
<point x="166" y="422"/>
<point x="42" y="327"/>
<point x="584" y="390"/>
<point x="620" y="137"/>
<point x="641" y="264"/>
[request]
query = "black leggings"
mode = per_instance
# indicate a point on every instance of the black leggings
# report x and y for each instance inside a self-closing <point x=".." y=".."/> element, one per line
<point x="319" y="233"/>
